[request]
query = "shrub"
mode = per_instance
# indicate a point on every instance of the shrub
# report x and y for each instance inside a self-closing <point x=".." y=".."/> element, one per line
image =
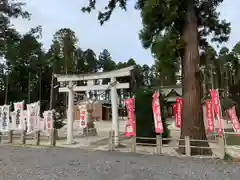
<point x="58" y="121"/>
<point x="144" y="116"/>
<point x="228" y="103"/>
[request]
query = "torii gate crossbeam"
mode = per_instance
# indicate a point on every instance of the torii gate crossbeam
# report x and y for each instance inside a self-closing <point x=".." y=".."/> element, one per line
<point x="94" y="76"/>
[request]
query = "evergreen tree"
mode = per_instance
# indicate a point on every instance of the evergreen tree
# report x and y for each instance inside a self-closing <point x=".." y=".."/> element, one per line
<point x="182" y="22"/>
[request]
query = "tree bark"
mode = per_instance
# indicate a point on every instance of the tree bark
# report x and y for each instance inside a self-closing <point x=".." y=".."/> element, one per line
<point x="192" y="117"/>
<point x="6" y="88"/>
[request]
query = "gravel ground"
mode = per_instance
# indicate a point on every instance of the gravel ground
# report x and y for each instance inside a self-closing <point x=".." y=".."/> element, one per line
<point x="21" y="163"/>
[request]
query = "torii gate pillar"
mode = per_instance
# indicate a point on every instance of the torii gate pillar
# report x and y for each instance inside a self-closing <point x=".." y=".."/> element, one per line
<point x="70" y="113"/>
<point x="115" y="123"/>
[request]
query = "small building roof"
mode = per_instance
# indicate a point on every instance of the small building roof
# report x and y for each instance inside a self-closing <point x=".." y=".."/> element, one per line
<point x="166" y="90"/>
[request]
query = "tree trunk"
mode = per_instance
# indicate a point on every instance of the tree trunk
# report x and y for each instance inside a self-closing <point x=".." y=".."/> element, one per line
<point x="29" y="87"/>
<point x="6" y="89"/>
<point x="40" y="86"/>
<point x="204" y="84"/>
<point x="192" y="120"/>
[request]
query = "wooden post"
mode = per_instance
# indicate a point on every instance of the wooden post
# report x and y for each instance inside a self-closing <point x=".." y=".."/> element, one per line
<point x="110" y="147"/>
<point x="53" y="137"/>
<point x="134" y="143"/>
<point x="187" y="146"/>
<point x="1" y="137"/>
<point x="159" y="144"/>
<point x="37" y="138"/>
<point x="10" y="136"/>
<point x="22" y="137"/>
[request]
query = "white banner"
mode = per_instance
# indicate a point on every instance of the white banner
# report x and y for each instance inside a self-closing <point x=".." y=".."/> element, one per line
<point x="25" y="119"/>
<point x="17" y="116"/>
<point x="42" y="127"/>
<point x="32" y="117"/>
<point x="37" y="114"/>
<point x="48" y="120"/>
<point x="5" y="114"/>
<point x="83" y="115"/>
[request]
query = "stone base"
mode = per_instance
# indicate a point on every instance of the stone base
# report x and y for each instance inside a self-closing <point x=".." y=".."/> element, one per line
<point x="90" y="132"/>
<point x="120" y="146"/>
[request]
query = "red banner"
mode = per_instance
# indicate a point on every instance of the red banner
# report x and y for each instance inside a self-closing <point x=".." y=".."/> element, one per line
<point x="216" y="107"/>
<point x="83" y="115"/>
<point x="231" y="112"/>
<point x="179" y="102"/>
<point x="130" y="123"/>
<point x="175" y="112"/>
<point x="157" y="113"/>
<point x="209" y="116"/>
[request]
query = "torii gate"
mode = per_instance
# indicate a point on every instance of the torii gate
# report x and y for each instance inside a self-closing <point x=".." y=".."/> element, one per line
<point x="70" y="88"/>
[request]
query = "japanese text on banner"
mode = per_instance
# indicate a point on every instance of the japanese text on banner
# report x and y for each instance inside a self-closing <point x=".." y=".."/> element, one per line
<point x="33" y="117"/>
<point x="209" y="116"/>
<point x="216" y="107"/>
<point x="130" y="123"/>
<point x="5" y="120"/>
<point x="48" y="120"/>
<point x="231" y="112"/>
<point x="179" y="102"/>
<point x="83" y="115"/>
<point x="157" y="113"/>
<point x="18" y="122"/>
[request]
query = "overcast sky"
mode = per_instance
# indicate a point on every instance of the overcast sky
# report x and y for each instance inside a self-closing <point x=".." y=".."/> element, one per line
<point x="119" y="35"/>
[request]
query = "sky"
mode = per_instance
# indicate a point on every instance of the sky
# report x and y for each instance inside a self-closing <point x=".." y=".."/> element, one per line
<point x="119" y="35"/>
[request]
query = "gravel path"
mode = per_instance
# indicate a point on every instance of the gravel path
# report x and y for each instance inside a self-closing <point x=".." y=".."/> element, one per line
<point x="19" y="163"/>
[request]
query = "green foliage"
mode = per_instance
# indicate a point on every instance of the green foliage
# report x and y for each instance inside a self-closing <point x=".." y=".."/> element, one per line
<point x="91" y="61"/>
<point x="220" y="70"/>
<point x="227" y="103"/>
<point x="228" y="157"/>
<point x="168" y="19"/>
<point x="106" y="62"/>
<point x="144" y="115"/>
<point x="10" y="9"/>
<point x="163" y="26"/>
<point x="66" y="40"/>
<point x="58" y="121"/>
<point x="29" y="65"/>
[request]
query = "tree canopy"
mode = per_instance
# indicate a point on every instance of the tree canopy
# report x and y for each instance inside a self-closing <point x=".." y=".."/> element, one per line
<point x="174" y="31"/>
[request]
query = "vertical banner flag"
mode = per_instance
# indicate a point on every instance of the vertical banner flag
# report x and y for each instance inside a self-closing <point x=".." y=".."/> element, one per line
<point x="179" y="102"/>
<point x="25" y="119"/>
<point x="17" y="116"/>
<point x="209" y="116"/>
<point x="216" y="107"/>
<point x="130" y="123"/>
<point x="37" y="116"/>
<point x="83" y="115"/>
<point x="157" y="113"/>
<point x="13" y="115"/>
<point x="32" y="124"/>
<point x="48" y="120"/>
<point x="42" y="126"/>
<point x="174" y="106"/>
<point x="5" y="114"/>
<point x="231" y="112"/>
<point x="30" y="118"/>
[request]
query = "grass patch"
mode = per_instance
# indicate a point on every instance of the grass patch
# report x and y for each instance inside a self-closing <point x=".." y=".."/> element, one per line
<point x="232" y="139"/>
<point x="228" y="157"/>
